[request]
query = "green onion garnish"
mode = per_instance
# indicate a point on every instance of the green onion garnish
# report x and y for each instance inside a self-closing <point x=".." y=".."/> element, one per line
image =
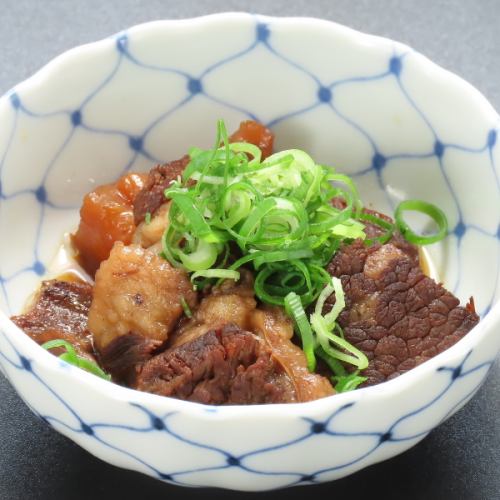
<point x="72" y="358"/>
<point x="378" y="221"/>
<point x="186" y="308"/>
<point x="318" y="336"/>
<point x="327" y="340"/>
<point x="345" y="383"/>
<point x="429" y="209"/>
<point x="277" y="211"/>
<point x="147" y="218"/>
<point x="333" y="363"/>
<point x="226" y="274"/>
<point x="294" y="309"/>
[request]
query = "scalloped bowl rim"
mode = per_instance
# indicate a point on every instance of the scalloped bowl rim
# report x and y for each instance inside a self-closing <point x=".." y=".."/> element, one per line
<point x="48" y="362"/>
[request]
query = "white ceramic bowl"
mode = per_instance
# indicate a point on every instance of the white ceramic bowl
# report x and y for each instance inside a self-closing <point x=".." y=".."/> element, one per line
<point x="402" y="126"/>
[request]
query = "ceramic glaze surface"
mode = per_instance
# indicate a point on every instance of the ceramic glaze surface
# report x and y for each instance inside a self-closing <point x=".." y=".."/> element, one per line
<point x="370" y="107"/>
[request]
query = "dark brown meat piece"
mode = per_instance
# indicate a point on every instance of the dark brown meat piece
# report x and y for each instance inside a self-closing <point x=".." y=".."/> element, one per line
<point x="234" y="303"/>
<point x="275" y="328"/>
<point x="225" y="366"/>
<point x="394" y="313"/>
<point x="60" y="311"/>
<point x="151" y="197"/>
<point x="138" y="296"/>
<point x="124" y="356"/>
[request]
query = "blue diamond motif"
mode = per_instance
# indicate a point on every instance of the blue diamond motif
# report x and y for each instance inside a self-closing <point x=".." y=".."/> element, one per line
<point x="438" y="149"/>
<point x="456" y="372"/>
<point x="492" y="138"/>
<point x="317" y="428"/>
<point x="76" y="118"/>
<point x="232" y="461"/>
<point x="395" y="65"/>
<point x="41" y="194"/>
<point x="387" y="436"/>
<point x="324" y="94"/>
<point x="460" y="229"/>
<point x="135" y="143"/>
<point x="260" y="39"/>
<point x="307" y="479"/>
<point x="39" y="268"/>
<point x="87" y="429"/>
<point x="378" y="161"/>
<point x="122" y="43"/>
<point x="263" y="32"/>
<point x="26" y="363"/>
<point x="15" y="101"/>
<point x="194" y="86"/>
<point x="158" y="424"/>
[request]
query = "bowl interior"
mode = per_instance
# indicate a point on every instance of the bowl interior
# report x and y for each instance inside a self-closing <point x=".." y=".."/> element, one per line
<point x="374" y="109"/>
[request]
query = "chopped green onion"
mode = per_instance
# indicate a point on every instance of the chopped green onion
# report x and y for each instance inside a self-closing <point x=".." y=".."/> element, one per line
<point x="353" y="189"/>
<point x="429" y="209"/>
<point x="339" y="305"/>
<point x="217" y="273"/>
<point x="331" y="317"/>
<point x="345" y="383"/>
<point x="277" y="211"/>
<point x="348" y="354"/>
<point x="388" y="226"/>
<point x="333" y="363"/>
<point x="281" y="255"/>
<point x="317" y="336"/>
<point x="186" y="308"/>
<point x="192" y="214"/>
<point x="147" y="218"/>
<point x="294" y="309"/>
<point x="71" y="357"/>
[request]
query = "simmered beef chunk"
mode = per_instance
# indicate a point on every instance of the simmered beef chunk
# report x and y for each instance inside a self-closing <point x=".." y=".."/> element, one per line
<point x="60" y="311"/>
<point x="225" y="366"/>
<point x="234" y="304"/>
<point x="160" y="177"/>
<point x="124" y="356"/>
<point x="136" y="292"/>
<point x="272" y="324"/>
<point x="394" y="313"/>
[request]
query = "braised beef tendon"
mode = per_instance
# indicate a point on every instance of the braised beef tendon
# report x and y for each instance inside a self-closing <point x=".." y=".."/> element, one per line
<point x="272" y="325"/>
<point x="223" y="366"/>
<point x="60" y="310"/>
<point x="151" y="197"/>
<point x="231" y="303"/>
<point x="230" y="352"/>
<point x="137" y="302"/>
